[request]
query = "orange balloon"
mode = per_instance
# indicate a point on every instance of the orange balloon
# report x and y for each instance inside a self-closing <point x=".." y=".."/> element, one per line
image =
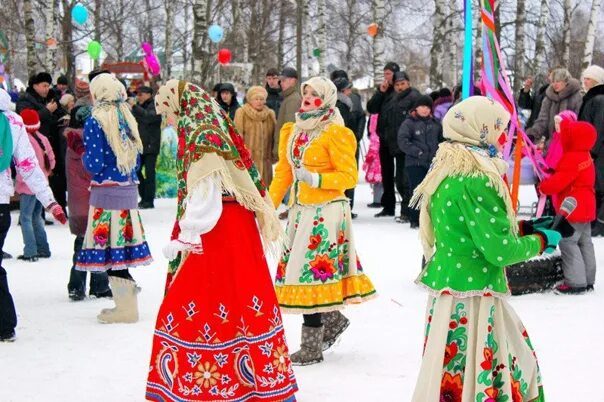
<point x="373" y="29"/>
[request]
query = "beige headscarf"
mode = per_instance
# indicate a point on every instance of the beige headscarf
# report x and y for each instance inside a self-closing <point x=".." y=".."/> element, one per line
<point x="109" y="108"/>
<point x="473" y="128"/>
<point x="315" y="121"/>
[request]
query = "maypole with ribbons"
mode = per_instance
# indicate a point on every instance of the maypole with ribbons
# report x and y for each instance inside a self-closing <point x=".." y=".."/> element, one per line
<point x="495" y="84"/>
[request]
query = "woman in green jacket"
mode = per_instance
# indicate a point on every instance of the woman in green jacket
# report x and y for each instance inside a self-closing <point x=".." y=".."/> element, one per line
<point x="476" y="348"/>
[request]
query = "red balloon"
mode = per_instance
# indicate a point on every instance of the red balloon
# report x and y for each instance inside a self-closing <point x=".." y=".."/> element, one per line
<point x="224" y="56"/>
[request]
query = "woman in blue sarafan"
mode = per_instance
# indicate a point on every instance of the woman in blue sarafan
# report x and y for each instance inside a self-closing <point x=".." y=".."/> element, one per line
<point x="115" y="239"/>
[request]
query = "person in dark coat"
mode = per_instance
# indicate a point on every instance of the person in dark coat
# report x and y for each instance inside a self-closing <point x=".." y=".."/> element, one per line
<point x="62" y="87"/>
<point x="149" y="128"/>
<point x="418" y="138"/>
<point x="392" y="160"/>
<point x="275" y="97"/>
<point x="592" y="111"/>
<point x="42" y="98"/>
<point x="227" y="99"/>
<point x="532" y="101"/>
<point x="78" y="184"/>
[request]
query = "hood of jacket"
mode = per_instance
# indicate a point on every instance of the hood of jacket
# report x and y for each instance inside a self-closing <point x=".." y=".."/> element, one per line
<point x="577" y="136"/>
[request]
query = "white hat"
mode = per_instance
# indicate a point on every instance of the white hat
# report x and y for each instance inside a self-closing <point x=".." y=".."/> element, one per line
<point x="595" y="73"/>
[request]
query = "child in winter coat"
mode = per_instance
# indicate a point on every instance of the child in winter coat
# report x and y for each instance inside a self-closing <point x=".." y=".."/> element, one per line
<point x="575" y="177"/>
<point x="418" y="138"/>
<point x="371" y="166"/>
<point x="32" y="223"/>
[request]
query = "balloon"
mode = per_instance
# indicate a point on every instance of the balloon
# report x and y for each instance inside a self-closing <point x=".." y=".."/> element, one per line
<point x="79" y="13"/>
<point x="224" y="56"/>
<point x="316" y="52"/>
<point x="151" y="59"/>
<point x="215" y="33"/>
<point x="94" y="50"/>
<point x="373" y="29"/>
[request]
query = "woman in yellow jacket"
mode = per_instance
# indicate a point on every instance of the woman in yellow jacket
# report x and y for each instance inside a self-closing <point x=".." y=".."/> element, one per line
<point x="319" y="271"/>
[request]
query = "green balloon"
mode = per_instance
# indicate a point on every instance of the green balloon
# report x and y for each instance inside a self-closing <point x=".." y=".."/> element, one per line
<point x="94" y="49"/>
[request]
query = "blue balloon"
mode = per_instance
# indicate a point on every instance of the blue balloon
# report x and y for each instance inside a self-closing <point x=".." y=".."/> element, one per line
<point x="215" y="33"/>
<point x="79" y="13"/>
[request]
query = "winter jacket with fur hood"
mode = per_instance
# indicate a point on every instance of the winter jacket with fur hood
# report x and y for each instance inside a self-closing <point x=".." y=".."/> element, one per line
<point x="569" y="98"/>
<point x="575" y="174"/>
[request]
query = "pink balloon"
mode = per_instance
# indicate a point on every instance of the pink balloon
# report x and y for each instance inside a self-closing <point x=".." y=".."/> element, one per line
<point x="151" y="59"/>
<point x="147" y="48"/>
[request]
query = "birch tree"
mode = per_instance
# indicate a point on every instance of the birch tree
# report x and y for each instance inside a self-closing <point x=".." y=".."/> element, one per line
<point x="168" y="41"/>
<point x="200" y="51"/>
<point x="519" y="72"/>
<point x="379" y="15"/>
<point x="51" y="48"/>
<point x="568" y="4"/>
<point x="436" y="52"/>
<point x="30" y="37"/>
<point x="322" y="35"/>
<point x="299" y="34"/>
<point x="591" y="34"/>
<point x="67" y="39"/>
<point x="540" y="38"/>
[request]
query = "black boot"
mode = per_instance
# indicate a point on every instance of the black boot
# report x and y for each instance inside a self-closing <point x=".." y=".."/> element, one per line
<point x="384" y="212"/>
<point x="598" y="229"/>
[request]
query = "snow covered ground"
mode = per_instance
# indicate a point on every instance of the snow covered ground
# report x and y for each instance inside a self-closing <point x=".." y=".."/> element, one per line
<point x="63" y="354"/>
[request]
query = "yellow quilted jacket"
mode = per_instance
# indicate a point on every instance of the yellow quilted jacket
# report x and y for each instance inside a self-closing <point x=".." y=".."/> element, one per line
<point x="331" y="154"/>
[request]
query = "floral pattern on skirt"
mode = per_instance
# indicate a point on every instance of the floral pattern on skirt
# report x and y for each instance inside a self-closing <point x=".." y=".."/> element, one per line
<point x="114" y="239"/>
<point x="476" y="349"/>
<point x="319" y="270"/>
<point x="219" y="334"/>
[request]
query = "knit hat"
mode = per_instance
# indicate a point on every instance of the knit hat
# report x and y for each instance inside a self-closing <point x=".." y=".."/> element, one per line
<point x="255" y="92"/>
<point x="338" y="74"/>
<point x="595" y="73"/>
<point x="392" y="66"/>
<point x="342" y="83"/>
<point x="62" y="80"/>
<point x="423" y="100"/>
<point x="401" y="76"/>
<point x="82" y="89"/>
<point x="31" y="120"/>
<point x="65" y="99"/>
<point x="39" y="78"/>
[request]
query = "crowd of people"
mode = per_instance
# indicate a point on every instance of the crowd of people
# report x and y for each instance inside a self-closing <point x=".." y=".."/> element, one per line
<point x="299" y="144"/>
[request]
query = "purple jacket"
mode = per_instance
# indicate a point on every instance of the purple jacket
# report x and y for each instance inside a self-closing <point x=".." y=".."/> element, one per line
<point x="441" y="110"/>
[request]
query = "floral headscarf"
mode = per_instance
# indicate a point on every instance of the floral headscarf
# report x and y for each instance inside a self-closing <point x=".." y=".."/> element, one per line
<point x="473" y="129"/>
<point x="116" y="120"/>
<point x="327" y="113"/>
<point x="209" y="146"/>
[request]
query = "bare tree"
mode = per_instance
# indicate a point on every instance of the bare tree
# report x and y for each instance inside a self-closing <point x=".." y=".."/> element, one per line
<point x="169" y="8"/>
<point x="379" y="14"/>
<point x="520" y="46"/>
<point x="51" y="48"/>
<point x="436" y="52"/>
<point x="591" y="33"/>
<point x="299" y="34"/>
<point x="200" y="57"/>
<point x="322" y="35"/>
<point x="30" y="37"/>
<point x="539" y="60"/>
<point x="568" y="9"/>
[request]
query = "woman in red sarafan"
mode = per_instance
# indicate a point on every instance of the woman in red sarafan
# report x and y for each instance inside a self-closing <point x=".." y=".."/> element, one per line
<point x="219" y="334"/>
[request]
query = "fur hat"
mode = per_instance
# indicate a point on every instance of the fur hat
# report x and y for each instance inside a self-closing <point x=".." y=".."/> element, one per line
<point x="595" y="73"/>
<point x="423" y="100"/>
<point x="31" y="120"/>
<point x="338" y="74"/>
<point x="62" y="80"/>
<point x="392" y="66"/>
<point x="342" y="83"/>
<point x="39" y="78"/>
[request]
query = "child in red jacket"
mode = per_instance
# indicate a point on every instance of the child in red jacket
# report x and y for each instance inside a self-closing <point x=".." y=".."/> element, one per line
<point x="575" y="177"/>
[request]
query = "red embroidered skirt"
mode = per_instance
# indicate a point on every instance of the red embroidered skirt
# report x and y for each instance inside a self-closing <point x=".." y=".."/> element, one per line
<point x="219" y="334"/>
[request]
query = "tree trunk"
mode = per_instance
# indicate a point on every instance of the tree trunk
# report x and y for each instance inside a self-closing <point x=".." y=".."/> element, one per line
<point x="280" y="51"/>
<point x="591" y="34"/>
<point x="98" y="9"/>
<point x="452" y="19"/>
<point x="322" y="36"/>
<point x="540" y="39"/>
<point x="51" y="51"/>
<point x="519" y="73"/>
<point x="568" y="4"/>
<point x="436" y="74"/>
<point x="169" y="7"/>
<point x="30" y="37"/>
<point x="200" y="52"/>
<point x="67" y="40"/>
<point x="379" y="14"/>
<point x="308" y="45"/>
<point x="148" y="35"/>
<point x="299" y="22"/>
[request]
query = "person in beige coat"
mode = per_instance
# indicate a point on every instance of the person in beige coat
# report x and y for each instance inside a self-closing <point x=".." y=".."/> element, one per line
<point x="256" y="124"/>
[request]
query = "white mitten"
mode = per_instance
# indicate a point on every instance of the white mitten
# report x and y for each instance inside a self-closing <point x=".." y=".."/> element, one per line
<point x="172" y="249"/>
<point x="312" y="179"/>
